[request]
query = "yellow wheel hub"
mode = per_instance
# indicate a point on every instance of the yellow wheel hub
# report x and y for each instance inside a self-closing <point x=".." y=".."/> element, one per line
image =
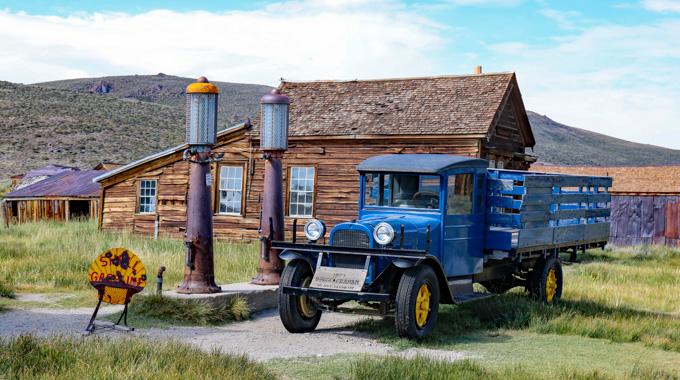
<point x="303" y="306"/>
<point x="551" y="286"/>
<point x="423" y="305"/>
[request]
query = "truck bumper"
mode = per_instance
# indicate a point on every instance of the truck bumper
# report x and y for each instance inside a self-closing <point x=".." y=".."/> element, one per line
<point x="335" y="294"/>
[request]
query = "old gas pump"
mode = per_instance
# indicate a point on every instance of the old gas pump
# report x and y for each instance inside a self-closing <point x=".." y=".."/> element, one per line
<point x="201" y="136"/>
<point x="274" y="142"/>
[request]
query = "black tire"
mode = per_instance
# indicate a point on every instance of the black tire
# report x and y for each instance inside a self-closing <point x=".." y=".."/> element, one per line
<point x="546" y="280"/>
<point x="411" y="322"/>
<point x="500" y="285"/>
<point x="298" y="315"/>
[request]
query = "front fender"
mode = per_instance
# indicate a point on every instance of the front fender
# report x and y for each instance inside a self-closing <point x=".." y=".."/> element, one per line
<point x="293" y="255"/>
<point x="445" y="291"/>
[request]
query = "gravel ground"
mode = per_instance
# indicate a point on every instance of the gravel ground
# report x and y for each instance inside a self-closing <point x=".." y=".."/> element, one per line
<point x="261" y="338"/>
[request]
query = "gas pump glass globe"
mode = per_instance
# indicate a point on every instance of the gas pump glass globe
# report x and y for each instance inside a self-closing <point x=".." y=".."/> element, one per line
<point x="201" y="111"/>
<point x="274" y="121"/>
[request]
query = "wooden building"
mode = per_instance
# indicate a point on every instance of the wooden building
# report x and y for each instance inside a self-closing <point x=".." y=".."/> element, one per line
<point x="67" y="195"/>
<point x="644" y="201"/>
<point x="333" y="127"/>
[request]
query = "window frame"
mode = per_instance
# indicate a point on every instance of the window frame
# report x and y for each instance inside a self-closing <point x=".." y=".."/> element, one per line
<point x="216" y="189"/>
<point x="289" y="170"/>
<point x="139" y="196"/>
<point x="473" y="193"/>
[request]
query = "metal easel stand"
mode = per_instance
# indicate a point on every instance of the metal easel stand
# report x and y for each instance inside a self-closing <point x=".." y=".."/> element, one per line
<point x="101" y="325"/>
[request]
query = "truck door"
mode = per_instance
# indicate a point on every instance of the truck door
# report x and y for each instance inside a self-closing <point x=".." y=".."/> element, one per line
<point x="463" y="231"/>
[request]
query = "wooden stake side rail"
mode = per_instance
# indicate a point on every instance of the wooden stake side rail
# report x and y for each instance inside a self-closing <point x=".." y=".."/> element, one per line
<point x="526" y="210"/>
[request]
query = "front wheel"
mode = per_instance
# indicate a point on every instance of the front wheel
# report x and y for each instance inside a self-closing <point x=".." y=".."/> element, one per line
<point x="546" y="280"/>
<point x="297" y="313"/>
<point x="417" y="302"/>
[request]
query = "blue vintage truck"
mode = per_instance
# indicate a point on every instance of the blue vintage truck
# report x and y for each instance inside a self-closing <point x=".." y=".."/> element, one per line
<point x="432" y="225"/>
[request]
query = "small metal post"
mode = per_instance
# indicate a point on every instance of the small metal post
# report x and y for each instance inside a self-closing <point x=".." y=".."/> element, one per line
<point x="427" y="239"/>
<point x="159" y="281"/>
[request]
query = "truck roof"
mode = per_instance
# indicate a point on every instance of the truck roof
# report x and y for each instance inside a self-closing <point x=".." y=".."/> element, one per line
<point x="419" y="163"/>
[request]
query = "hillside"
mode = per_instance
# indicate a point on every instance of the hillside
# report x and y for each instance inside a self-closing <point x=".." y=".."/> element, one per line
<point x="238" y="101"/>
<point x="82" y="122"/>
<point x="560" y="144"/>
<point x="74" y="123"/>
<point x="39" y="126"/>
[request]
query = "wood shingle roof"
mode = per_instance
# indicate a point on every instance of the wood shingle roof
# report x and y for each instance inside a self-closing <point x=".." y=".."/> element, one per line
<point x="640" y="180"/>
<point x="446" y="105"/>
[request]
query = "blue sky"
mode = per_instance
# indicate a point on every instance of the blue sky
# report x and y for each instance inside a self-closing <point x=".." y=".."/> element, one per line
<point x="610" y="67"/>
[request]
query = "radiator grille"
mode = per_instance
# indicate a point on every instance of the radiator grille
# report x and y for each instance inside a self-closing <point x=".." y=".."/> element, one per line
<point x="350" y="238"/>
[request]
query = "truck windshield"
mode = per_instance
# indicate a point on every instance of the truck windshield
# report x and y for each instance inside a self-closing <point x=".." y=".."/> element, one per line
<point x="402" y="190"/>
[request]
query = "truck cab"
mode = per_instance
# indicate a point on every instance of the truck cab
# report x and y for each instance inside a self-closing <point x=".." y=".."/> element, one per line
<point x="422" y="238"/>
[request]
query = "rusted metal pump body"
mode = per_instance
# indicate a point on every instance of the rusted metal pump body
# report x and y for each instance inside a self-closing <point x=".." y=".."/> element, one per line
<point x="199" y="269"/>
<point x="274" y="142"/>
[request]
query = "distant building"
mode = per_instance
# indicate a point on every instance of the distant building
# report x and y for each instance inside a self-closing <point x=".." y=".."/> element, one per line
<point x="40" y="174"/>
<point x="107" y="166"/>
<point x="63" y="196"/>
<point x="644" y="201"/>
<point x="334" y="126"/>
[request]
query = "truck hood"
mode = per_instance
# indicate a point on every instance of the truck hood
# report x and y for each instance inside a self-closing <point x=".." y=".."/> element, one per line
<point x="415" y="229"/>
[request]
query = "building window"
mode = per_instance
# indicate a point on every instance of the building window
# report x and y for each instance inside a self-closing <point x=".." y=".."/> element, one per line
<point x="301" y="191"/>
<point x="231" y="190"/>
<point x="147" y="196"/>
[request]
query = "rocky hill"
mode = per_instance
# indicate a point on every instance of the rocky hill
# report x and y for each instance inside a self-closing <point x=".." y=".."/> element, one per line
<point x="563" y="145"/>
<point x="238" y="101"/>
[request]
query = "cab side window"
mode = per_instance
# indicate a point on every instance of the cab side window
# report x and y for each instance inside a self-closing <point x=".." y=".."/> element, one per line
<point x="460" y="189"/>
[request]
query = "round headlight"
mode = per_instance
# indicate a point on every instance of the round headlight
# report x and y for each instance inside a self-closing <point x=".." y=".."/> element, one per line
<point x="383" y="233"/>
<point x="315" y="229"/>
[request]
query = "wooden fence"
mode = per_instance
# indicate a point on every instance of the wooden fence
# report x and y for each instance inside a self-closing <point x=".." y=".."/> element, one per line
<point x="645" y="219"/>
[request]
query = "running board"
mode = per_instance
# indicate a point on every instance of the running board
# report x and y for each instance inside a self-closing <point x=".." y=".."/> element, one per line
<point x="472" y="296"/>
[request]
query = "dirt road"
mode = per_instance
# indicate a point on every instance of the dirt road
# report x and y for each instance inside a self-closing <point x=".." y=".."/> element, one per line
<point x="261" y="338"/>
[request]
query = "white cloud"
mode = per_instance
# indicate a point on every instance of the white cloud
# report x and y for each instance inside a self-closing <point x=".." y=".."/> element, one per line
<point x="617" y="80"/>
<point x="507" y="3"/>
<point x="303" y="40"/>
<point x="662" y="5"/>
<point x="563" y="18"/>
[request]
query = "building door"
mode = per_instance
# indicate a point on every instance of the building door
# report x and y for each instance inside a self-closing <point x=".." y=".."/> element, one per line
<point x="79" y="209"/>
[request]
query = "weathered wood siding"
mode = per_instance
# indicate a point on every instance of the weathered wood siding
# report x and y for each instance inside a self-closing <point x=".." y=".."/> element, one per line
<point x="43" y="209"/>
<point x="336" y="190"/>
<point x="645" y="219"/>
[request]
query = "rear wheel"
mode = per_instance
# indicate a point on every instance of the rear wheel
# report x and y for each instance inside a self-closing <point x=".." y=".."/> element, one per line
<point x="297" y="313"/>
<point x="417" y="302"/>
<point x="546" y="280"/>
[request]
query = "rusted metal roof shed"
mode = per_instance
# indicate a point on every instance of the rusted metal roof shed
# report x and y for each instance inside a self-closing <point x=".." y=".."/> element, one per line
<point x="59" y="197"/>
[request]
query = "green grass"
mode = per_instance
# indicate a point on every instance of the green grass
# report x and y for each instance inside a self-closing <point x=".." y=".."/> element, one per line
<point x="30" y="357"/>
<point x="620" y="295"/>
<point x="54" y="257"/>
<point x="6" y="290"/>
<point x="161" y="311"/>
<point x="503" y="355"/>
<point x="422" y="368"/>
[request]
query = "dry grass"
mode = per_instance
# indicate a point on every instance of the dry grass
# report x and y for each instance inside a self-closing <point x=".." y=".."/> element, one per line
<point x="30" y="357"/>
<point x="621" y="295"/>
<point x="56" y="256"/>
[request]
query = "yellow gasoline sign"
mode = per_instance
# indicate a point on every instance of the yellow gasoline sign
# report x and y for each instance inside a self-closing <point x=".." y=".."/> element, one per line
<point x="119" y="274"/>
